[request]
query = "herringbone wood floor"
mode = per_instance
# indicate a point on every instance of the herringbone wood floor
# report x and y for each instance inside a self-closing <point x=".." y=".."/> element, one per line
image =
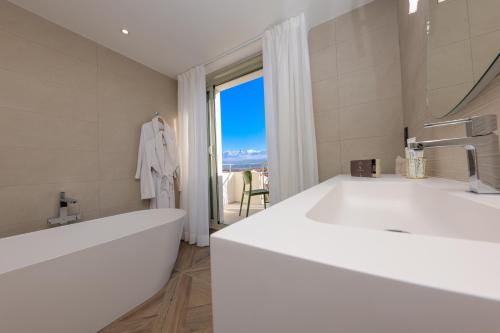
<point x="183" y="305"/>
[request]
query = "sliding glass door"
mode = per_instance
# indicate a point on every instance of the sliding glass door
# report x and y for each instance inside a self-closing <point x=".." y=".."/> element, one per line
<point x="225" y="182"/>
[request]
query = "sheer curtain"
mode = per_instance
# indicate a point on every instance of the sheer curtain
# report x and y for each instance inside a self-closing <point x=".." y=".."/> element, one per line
<point x="291" y="137"/>
<point x="194" y="155"/>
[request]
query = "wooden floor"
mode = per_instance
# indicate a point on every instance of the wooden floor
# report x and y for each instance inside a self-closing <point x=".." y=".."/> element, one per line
<point x="183" y="305"/>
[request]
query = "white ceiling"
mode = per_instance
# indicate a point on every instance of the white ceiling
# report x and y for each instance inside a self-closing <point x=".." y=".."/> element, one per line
<point x="172" y="36"/>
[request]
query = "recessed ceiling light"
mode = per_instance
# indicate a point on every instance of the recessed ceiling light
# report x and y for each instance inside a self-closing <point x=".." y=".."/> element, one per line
<point x="124" y="31"/>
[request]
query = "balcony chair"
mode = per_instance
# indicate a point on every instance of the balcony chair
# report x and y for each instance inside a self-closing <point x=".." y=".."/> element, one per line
<point x="247" y="180"/>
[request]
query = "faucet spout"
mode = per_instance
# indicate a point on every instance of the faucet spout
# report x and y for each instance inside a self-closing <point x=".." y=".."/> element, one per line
<point x="453" y="142"/>
<point x="482" y="148"/>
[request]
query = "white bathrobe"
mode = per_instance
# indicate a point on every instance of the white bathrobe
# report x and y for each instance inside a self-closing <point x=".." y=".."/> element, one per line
<point x="157" y="164"/>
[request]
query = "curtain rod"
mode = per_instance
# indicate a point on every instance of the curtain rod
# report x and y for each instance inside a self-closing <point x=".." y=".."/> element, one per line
<point x="234" y="49"/>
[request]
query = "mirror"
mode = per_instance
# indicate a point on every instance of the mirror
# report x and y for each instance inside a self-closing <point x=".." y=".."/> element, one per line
<point x="463" y="44"/>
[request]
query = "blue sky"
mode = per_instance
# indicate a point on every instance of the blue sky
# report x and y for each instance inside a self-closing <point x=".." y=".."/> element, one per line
<point x="243" y="117"/>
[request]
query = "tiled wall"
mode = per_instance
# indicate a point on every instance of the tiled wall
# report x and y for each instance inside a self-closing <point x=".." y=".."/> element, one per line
<point x="482" y="29"/>
<point x="464" y="38"/>
<point x="70" y="117"/>
<point x="356" y="78"/>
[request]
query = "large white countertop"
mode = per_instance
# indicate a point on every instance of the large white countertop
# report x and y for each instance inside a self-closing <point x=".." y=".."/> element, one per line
<point x="457" y="265"/>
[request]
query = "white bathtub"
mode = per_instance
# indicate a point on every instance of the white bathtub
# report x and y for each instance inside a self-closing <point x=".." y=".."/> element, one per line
<point x="81" y="277"/>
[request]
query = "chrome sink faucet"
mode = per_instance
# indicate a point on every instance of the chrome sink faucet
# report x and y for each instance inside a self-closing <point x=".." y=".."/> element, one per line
<point x="63" y="217"/>
<point x="482" y="147"/>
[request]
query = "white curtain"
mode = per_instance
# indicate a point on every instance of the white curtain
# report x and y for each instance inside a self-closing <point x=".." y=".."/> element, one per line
<point x="194" y="155"/>
<point x="291" y="137"/>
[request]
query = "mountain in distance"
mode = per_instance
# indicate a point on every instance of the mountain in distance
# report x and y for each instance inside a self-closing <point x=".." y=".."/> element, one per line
<point x="244" y="159"/>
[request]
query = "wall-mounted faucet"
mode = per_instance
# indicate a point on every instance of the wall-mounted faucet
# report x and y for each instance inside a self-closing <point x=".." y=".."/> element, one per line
<point x="63" y="217"/>
<point x="481" y="145"/>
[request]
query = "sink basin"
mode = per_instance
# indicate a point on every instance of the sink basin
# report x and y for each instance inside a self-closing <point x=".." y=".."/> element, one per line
<point x="324" y="261"/>
<point x="409" y="207"/>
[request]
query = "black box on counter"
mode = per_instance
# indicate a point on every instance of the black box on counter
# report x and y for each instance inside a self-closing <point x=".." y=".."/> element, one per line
<point x="365" y="168"/>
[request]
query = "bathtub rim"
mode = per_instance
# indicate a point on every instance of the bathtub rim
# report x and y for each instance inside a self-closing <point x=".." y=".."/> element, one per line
<point x="24" y="250"/>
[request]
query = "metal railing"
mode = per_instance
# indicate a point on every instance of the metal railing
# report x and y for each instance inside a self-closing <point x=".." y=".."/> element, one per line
<point x="244" y="166"/>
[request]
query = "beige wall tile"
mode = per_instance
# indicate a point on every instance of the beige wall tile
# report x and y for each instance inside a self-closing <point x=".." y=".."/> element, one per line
<point x="484" y="16"/>
<point x="23" y="56"/>
<point x="414" y="91"/>
<point x="65" y="126"/>
<point x="327" y="126"/>
<point x="42" y="201"/>
<point x="490" y="95"/>
<point x="14" y="204"/>
<point x="83" y="105"/>
<point x="373" y="119"/>
<point x="22" y="91"/>
<point x="120" y="196"/>
<point x="328" y="160"/>
<point x="91" y="215"/>
<point x="369" y="49"/>
<point x="485" y="48"/>
<point x="23" y="166"/>
<point x="118" y="164"/>
<point x="113" y="62"/>
<point x="325" y="95"/>
<point x="413" y="49"/>
<point x="322" y="36"/>
<point x="371" y="84"/>
<point x="20" y="22"/>
<point x="7" y="229"/>
<point x="165" y="98"/>
<point x="443" y="100"/>
<point x="122" y="98"/>
<point x="447" y="163"/>
<point x="386" y="148"/>
<point x="449" y="23"/>
<point x="450" y="65"/>
<point x="374" y="15"/>
<point x="118" y="135"/>
<point x="324" y="64"/>
<point x="455" y="61"/>
<point x="358" y="112"/>
<point x="112" y="82"/>
<point x="27" y="129"/>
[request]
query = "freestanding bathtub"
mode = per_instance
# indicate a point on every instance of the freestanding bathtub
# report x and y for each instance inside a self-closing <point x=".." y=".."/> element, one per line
<point x="81" y="277"/>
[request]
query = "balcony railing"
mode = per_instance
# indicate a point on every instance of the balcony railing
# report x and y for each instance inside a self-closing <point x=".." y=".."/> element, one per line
<point x="232" y="180"/>
<point x="261" y="166"/>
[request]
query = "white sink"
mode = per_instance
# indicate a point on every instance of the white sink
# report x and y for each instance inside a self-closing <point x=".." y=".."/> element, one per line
<point x="410" y="207"/>
<point x="322" y="261"/>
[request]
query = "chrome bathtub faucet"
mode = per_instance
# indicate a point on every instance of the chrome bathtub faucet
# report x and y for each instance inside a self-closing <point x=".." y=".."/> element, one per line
<point x="63" y="217"/>
<point x="481" y="145"/>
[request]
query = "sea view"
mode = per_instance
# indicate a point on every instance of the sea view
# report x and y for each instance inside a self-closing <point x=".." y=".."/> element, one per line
<point x="237" y="160"/>
<point x="243" y="127"/>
